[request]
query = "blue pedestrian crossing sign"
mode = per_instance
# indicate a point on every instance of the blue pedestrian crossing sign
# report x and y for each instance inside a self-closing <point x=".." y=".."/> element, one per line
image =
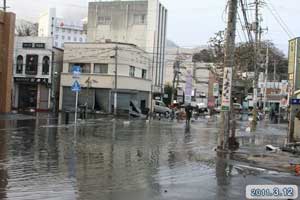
<point x="76" y="69"/>
<point x="76" y="72"/>
<point x="76" y="87"/>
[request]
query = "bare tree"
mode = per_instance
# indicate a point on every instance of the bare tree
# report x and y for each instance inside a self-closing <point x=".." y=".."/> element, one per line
<point x="25" y="28"/>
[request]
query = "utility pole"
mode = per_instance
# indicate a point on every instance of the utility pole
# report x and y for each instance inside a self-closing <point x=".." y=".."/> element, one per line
<point x="266" y="79"/>
<point x="116" y="81"/>
<point x="256" y="53"/>
<point x="228" y="67"/>
<point x="176" y="71"/>
<point x="246" y="21"/>
<point x="4" y="5"/>
<point x="274" y="75"/>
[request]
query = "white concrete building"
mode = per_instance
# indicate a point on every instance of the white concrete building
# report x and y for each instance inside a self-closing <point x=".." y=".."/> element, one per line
<point x="97" y="62"/>
<point x="35" y="62"/>
<point x="143" y="23"/>
<point x="62" y="30"/>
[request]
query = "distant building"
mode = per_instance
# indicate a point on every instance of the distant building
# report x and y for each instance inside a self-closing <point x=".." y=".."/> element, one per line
<point x="36" y="69"/>
<point x="200" y="73"/>
<point x="7" y="36"/>
<point x="62" y="30"/>
<point x="173" y="52"/>
<point x="143" y="23"/>
<point x="97" y="63"/>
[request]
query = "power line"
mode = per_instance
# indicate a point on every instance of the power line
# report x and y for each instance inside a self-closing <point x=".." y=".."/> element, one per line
<point x="247" y="10"/>
<point x="243" y="30"/>
<point x="281" y="23"/>
<point x="244" y="11"/>
<point x="280" y="18"/>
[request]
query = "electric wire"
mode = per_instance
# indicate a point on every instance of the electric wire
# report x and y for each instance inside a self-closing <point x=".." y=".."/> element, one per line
<point x="284" y="28"/>
<point x="279" y="16"/>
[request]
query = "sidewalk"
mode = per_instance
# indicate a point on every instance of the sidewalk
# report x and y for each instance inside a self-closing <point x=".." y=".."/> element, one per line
<point x="253" y="147"/>
<point x="26" y="116"/>
<point x="12" y="116"/>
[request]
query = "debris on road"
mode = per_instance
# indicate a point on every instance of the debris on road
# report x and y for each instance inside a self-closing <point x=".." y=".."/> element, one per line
<point x="293" y="148"/>
<point x="272" y="148"/>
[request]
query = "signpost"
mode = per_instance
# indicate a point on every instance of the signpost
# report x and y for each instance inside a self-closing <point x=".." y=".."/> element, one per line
<point x="188" y="88"/>
<point x="227" y="83"/>
<point x="76" y="87"/>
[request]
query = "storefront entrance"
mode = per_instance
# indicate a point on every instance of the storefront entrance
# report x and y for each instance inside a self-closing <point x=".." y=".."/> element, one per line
<point x="27" y="96"/>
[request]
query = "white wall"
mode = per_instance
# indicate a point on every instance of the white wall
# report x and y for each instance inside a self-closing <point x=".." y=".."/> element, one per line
<point x="19" y="50"/>
<point x="103" y="53"/>
<point x="51" y="26"/>
<point x="45" y="21"/>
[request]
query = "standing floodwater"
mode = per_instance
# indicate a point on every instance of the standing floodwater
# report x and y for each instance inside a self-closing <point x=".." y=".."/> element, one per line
<point x="119" y="160"/>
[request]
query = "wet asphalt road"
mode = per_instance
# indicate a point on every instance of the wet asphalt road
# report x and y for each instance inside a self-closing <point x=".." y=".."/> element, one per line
<point x="113" y="160"/>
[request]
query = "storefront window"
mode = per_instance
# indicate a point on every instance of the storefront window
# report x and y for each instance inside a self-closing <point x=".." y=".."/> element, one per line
<point x="144" y="74"/>
<point x="101" y="68"/>
<point x="31" y="64"/>
<point x="46" y="65"/>
<point x="132" y="71"/>
<point x="19" y="67"/>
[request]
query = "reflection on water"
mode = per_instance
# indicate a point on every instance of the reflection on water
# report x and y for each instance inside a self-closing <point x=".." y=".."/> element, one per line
<point x="106" y="159"/>
<point x="100" y="159"/>
<point x="3" y="158"/>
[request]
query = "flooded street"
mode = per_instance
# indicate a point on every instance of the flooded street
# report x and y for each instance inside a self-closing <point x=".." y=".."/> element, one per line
<point x="113" y="159"/>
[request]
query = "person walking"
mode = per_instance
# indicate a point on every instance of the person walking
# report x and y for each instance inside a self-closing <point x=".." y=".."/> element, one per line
<point x="189" y="112"/>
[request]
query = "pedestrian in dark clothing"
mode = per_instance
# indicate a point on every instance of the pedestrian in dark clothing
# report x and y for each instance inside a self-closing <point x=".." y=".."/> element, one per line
<point x="189" y="112"/>
<point x="272" y="115"/>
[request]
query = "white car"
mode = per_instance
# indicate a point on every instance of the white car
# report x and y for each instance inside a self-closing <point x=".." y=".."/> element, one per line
<point x="161" y="108"/>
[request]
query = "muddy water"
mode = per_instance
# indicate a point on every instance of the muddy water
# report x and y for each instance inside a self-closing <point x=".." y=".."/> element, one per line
<point x="111" y="159"/>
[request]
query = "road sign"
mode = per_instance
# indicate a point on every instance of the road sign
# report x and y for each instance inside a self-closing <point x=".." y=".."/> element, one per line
<point x="76" y="72"/>
<point x="295" y="101"/>
<point x="226" y="94"/>
<point x="76" y="87"/>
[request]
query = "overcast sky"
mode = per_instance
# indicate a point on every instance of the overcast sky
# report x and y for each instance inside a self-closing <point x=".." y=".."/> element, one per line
<point x="190" y="23"/>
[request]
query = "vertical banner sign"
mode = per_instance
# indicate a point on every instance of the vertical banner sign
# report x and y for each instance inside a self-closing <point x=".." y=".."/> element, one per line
<point x="227" y="84"/>
<point x="216" y="90"/>
<point x="188" y="87"/>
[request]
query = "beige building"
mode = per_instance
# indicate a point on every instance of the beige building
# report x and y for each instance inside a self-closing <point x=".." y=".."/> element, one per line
<point x="97" y="62"/>
<point x="139" y="22"/>
<point x="177" y="53"/>
<point x="7" y="34"/>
